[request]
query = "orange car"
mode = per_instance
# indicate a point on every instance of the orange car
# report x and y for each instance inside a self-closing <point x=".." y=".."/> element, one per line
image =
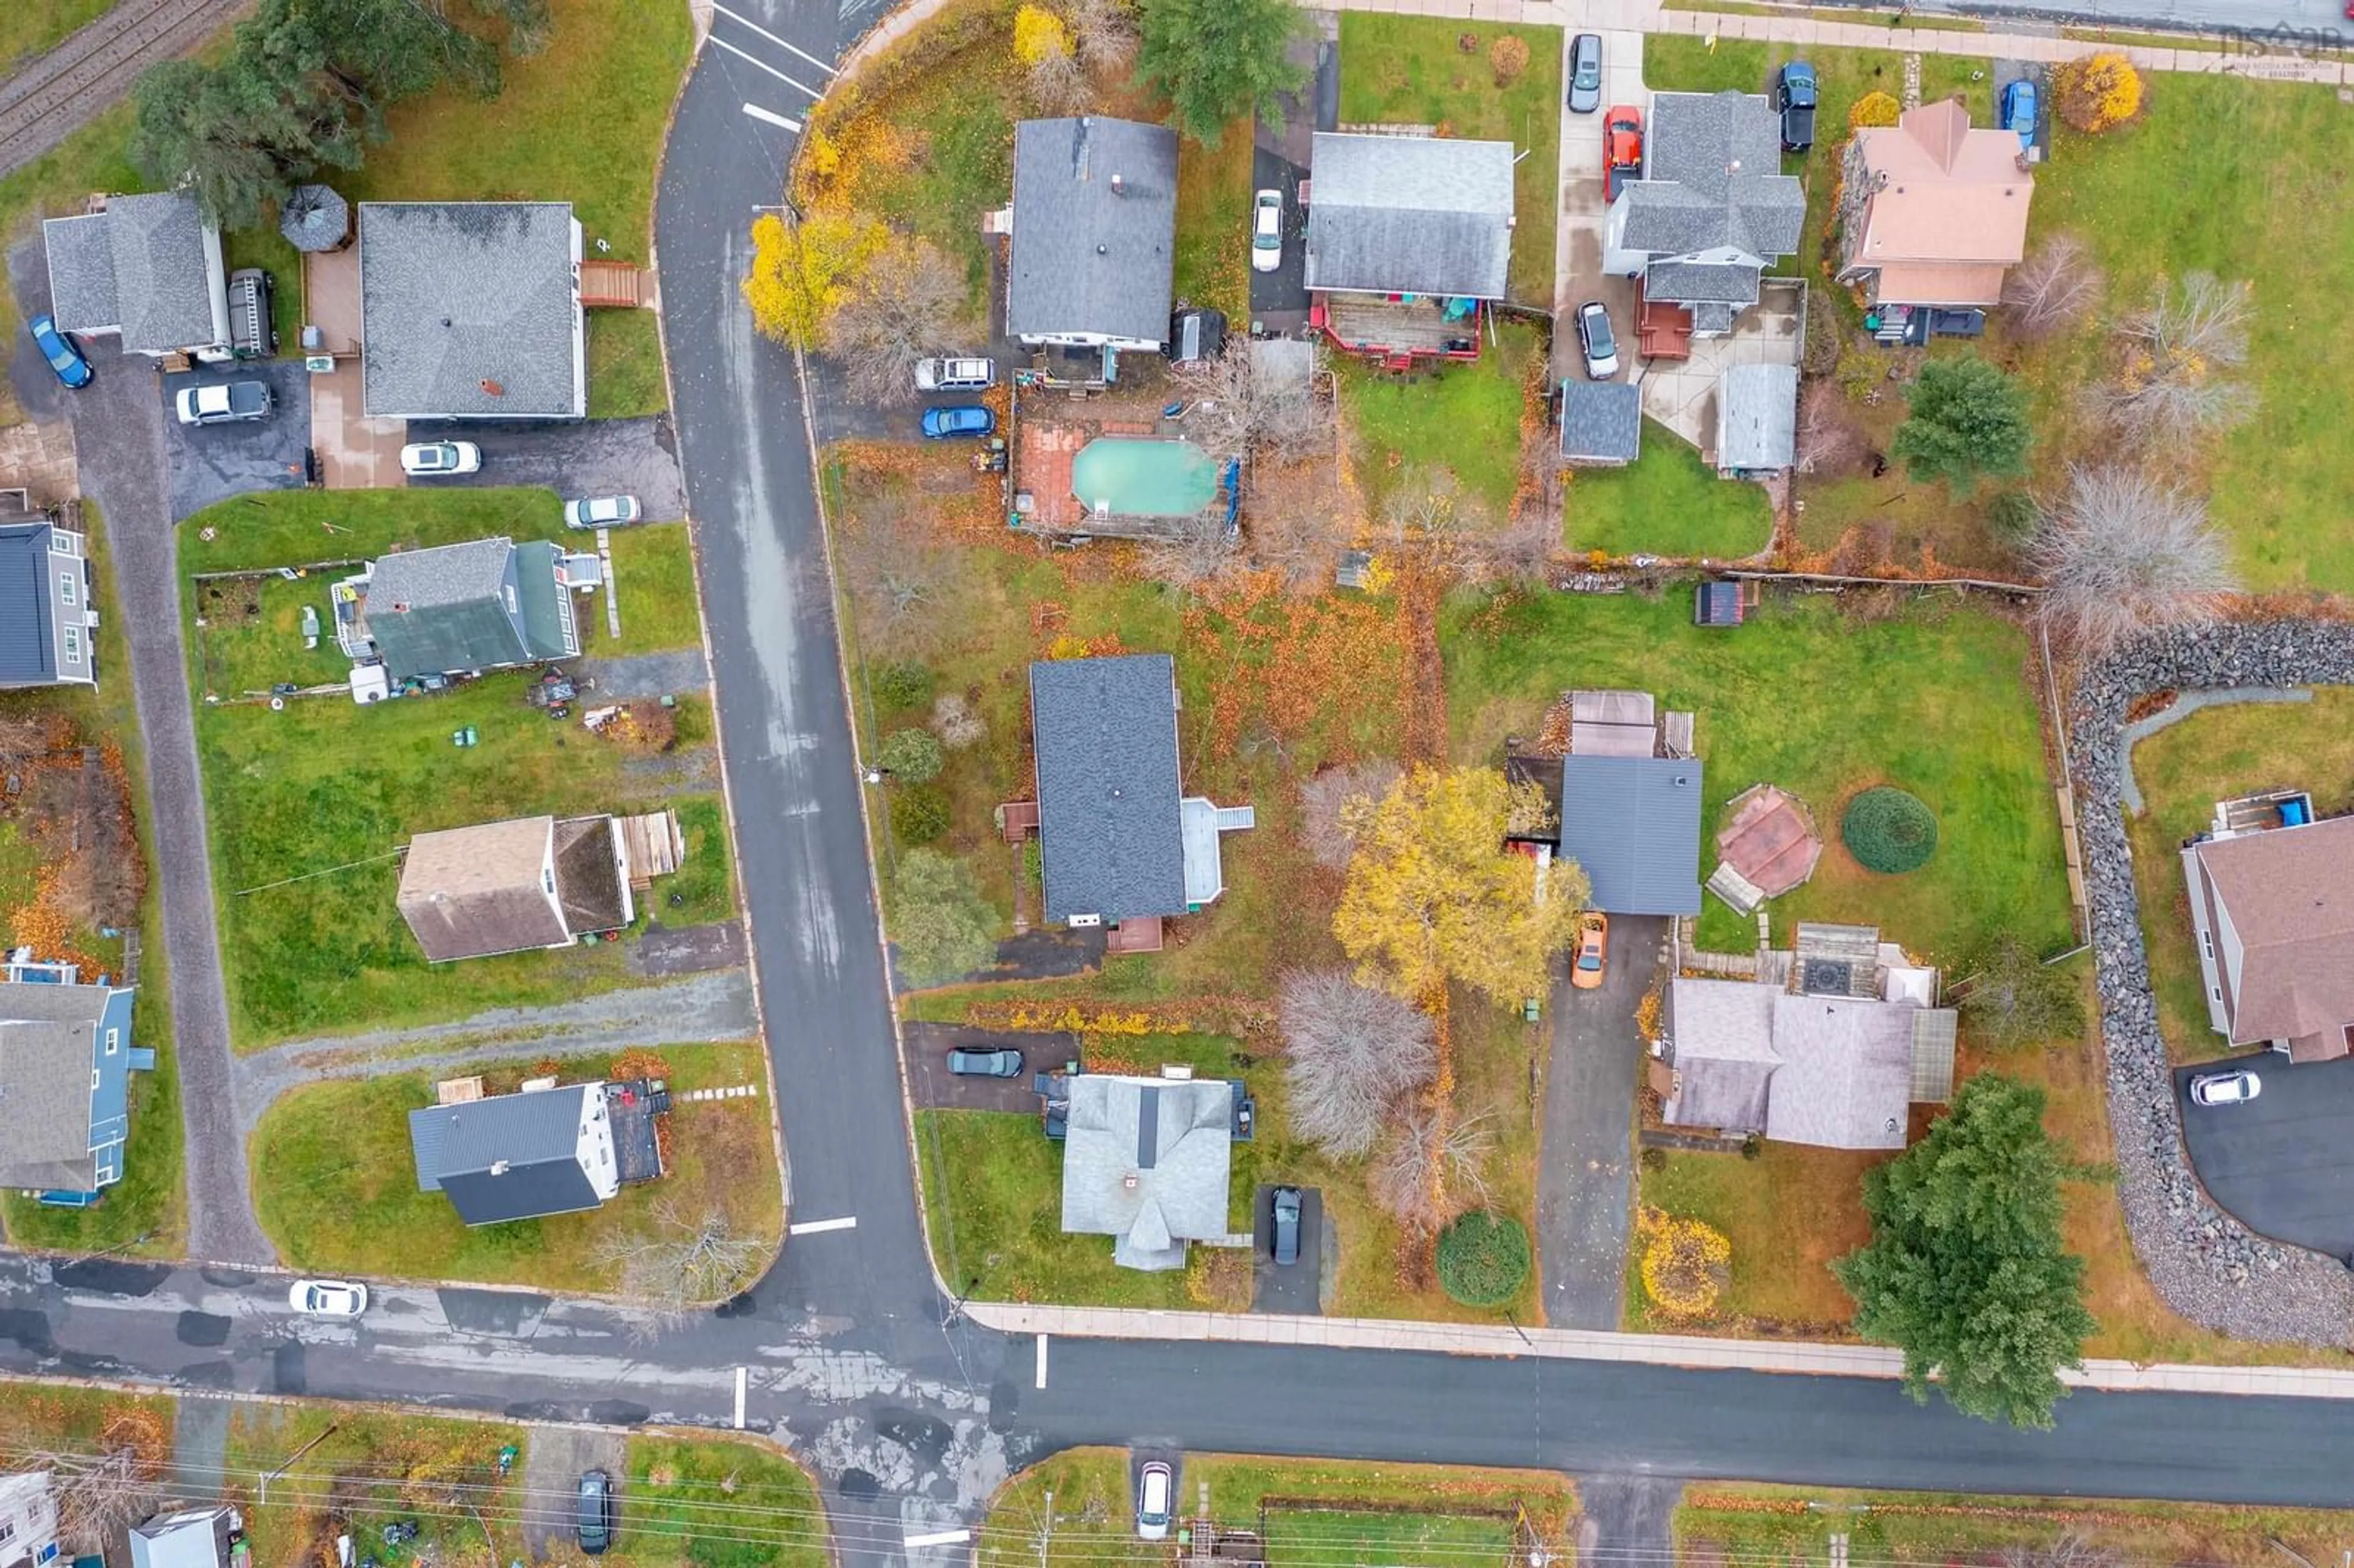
<point x="1593" y="947"/>
<point x="1622" y="149"/>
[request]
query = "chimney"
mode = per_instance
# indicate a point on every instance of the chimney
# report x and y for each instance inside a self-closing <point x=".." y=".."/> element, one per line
<point x="1129" y="1182"/>
<point x="492" y="389"/>
<point x="1118" y="185"/>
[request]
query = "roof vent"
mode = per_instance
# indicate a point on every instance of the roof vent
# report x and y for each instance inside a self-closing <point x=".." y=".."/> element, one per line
<point x="1128" y="1181"/>
<point x="1103" y="250"/>
<point x="445" y="321"/>
<point x="1118" y="185"/>
<point x="498" y="1167"/>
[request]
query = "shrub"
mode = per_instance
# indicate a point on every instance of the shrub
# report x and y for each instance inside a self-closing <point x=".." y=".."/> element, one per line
<point x="1652" y="1160"/>
<point x="903" y="684"/>
<point x="1686" y="1264"/>
<point x="2097" y="92"/>
<point x="1889" y="831"/>
<point x="943" y="927"/>
<point x="1037" y="33"/>
<point x="919" y="813"/>
<point x="911" y="756"/>
<point x="1508" y="57"/>
<point x="1873" y="108"/>
<point x="1482" y="1258"/>
<point x="2012" y="518"/>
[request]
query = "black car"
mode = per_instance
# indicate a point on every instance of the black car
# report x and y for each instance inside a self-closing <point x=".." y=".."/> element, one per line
<point x="1286" y="1241"/>
<point x="1006" y="1063"/>
<point x="594" y="1523"/>
<point x="1794" y="95"/>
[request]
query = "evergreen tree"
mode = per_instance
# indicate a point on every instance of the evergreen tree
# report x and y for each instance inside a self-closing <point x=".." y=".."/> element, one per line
<point x="1968" y="419"/>
<point x="1219" y="59"/>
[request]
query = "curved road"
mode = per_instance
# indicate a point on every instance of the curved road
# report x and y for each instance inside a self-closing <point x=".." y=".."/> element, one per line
<point x="909" y="1412"/>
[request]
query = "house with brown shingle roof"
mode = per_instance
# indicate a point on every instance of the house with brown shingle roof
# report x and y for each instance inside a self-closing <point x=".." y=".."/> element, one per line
<point x="505" y="887"/>
<point x="1932" y="209"/>
<point x="2274" y="914"/>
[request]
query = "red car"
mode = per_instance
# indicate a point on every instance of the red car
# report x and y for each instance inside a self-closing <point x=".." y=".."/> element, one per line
<point x="1622" y="149"/>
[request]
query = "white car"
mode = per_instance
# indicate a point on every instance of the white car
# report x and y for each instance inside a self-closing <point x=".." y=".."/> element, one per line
<point x="431" y="458"/>
<point x="1267" y="231"/>
<point x="327" y="1299"/>
<point x="974" y="374"/>
<point x="1155" y="1502"/>
<point x="600" y="512"/>
<point x="224" y="402"/>
<point x="2225" y="1089"/>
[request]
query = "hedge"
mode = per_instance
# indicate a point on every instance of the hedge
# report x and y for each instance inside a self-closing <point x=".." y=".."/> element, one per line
<point x="1482" y="1258"/>
<point x="1889" y="831"/>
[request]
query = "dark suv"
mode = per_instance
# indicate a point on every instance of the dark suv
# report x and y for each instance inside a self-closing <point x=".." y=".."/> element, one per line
<point x="1794" y="95"/>
<point x="595" y="1520"/>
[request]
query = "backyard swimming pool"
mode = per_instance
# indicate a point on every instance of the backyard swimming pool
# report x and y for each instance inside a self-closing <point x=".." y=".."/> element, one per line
<point x="1133" y="477"/>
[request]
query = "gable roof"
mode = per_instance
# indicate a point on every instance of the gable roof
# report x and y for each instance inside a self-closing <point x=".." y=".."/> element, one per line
<point x="1633" y="824"/>
<point x="533" y="1140"/>
<point x="1723" y="1034"/>
<point x="445" y="608"/>
<point x="191" y="1538"/>
<point x="1090" y="255"/>
<point x="591" y="887"/>
<point x="1110" y="835"/>
<point x="1757" y="417"/>
<point x="1846" y="1073"/>
<point x="1712" y="179"/>
<point x="144" y="267"/>
<point x="456" y="297"/>
<point x="1145" y="1159"/>
<point x="1941" y="190"/>
<point x="1410" y="215"/>
<point x="29" y="638"/>
<point x="2285" y="894"/>
<point x="1601" y="421"/>
<point x="471" y="892"/>
<point x="46" y="1034"/>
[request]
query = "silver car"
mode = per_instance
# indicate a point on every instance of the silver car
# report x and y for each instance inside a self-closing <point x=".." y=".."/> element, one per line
<point x="601" y="512"/>
<point x="1156" y="1502"/>
<point x="1586" y="74"/>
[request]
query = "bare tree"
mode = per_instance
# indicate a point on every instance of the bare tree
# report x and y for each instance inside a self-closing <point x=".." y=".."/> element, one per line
<point x="1521" y="551"/>
<point x="2067" y="1551"/>
<point x="1323" y="801"/>
<point x="1426" y="1176"/>
<point x="1105" y="31"/>
<point x="1428" y="515"/>
<point x="910" y="303"/>
<point x="1194" y="552"/>
<point x="2051" y="290"/>
<point x="2174" y="383"/>
<point x="2122" y="551"/>
<point x="1059" y="84"/>
<point x="1298" y="525"/>
<point x="1350" y="1053"/>
<point x="1238" y="408"/>
<point x="1829" y="442"/>
<point x="687" y="1262"/>
<point x="891" y="560"/>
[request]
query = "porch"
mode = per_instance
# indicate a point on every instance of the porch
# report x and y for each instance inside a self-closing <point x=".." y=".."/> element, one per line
<point x="1395" y="330"/>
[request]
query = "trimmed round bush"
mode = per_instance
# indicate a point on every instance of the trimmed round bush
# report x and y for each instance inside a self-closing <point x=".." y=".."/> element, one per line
<point x="903" y="684"/>
<point x="919" y="813"/>
<point x="1889" y="831"/>
<point x="1482" y="1258"/>
<point x="911" y="756"/>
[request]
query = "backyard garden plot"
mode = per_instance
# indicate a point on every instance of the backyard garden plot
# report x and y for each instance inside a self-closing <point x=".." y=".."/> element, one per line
<point x="361" y="1469"/>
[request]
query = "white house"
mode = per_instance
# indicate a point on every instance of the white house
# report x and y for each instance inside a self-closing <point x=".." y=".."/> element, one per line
<point x="28" y="1519"/>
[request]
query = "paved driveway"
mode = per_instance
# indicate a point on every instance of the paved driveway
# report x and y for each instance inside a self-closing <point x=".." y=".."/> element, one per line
<point x="932" y="1086"/>
<point x="1586" y="1188"/>
<point x="1585" y="211"/>
<point x="2283" y="1163"/>
<point x="210" y="463"/>
<point x="1279" y="160"/>
<point x="1294" y="1289"/>
<point x="593" y="457"/>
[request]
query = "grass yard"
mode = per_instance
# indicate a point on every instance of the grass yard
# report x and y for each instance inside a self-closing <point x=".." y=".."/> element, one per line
<point x="1465" y="418"/>
<point x="718" y="1502"/>
<point x="68" y="1417"/>
<point x="1212" y="261"/>
<point x="1824" y="702"/>
<point x="55" y="185"/>
<point x="703" y="890"/>
<point x="625" y="365"/>
<point x="43" y="25"/>
<point x="1666" y="502"/>
<point x="1414" y="70"/>
<point x="1788" y="1215"/>
<point x="334" y="1177"/>
<point x="294" y="527"/>
<point x="654" y="573"/>
<point x="265" y="247"/>
<point x="2214" y="754"/>
<point x="378" y="1466"/>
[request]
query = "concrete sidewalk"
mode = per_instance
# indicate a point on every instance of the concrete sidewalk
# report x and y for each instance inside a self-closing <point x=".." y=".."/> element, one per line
<point x="1655" y="1350"/>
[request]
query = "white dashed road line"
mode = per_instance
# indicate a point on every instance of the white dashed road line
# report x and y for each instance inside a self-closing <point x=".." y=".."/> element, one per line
<point x="938" y="1537"/>
<point x="1042" y="1360"/>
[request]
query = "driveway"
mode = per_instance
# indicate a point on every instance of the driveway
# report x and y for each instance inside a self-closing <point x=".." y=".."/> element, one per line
<point x="2283" y="1162"/>
<point x="931" y="1086"/>
<point x="210" y="463"/>
<point x="1681" y="394"/>
<point x="1585" y="211"/>
<point x="1586" y="1188"/>
<point x="2005" y="72"/>
<point x="553" y="1462"/>
<point x="593" y="457"/>
<point x="1297" y="1289"/>
<point x="1279" y="160"/>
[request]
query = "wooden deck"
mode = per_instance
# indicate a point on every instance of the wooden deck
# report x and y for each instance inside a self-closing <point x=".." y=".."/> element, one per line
<point x="611" y="283"/>
<point x="654" y="844"/>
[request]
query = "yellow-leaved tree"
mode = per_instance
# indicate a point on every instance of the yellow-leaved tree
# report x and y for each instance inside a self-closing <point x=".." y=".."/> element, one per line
<point x="1038" y="33"/>
<point x="1433" y="894"/>
<point x="801" y="273"/>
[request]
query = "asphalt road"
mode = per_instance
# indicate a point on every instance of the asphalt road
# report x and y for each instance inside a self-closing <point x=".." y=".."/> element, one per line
<point x="2281" y="1162"/>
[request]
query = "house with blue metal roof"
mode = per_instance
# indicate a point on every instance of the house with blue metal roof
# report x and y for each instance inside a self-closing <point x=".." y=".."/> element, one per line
<point x="49" y="633"/>
<point x="1632" y="823"/>
<point x="66" y="1061"/>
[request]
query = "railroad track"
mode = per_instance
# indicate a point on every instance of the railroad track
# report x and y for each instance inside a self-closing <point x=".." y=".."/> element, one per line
<point x="55" y="93"/>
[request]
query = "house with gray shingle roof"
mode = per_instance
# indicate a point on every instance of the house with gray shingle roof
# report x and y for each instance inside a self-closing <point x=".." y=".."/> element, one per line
<point x="486" y="604"/>
<point x="1756" y="421"/>
<point x="1094" y="224"/>
<point x="146" y="269"/>
<point x="1121" y="844"/>
<point x="1408" y="238"/>
<point x="471" y="310"/>
<point x="1714" y="209"/>
<point x="1146" y="1161"/>
<point x="66" y="1061"/>
<point x="49" y="633"/>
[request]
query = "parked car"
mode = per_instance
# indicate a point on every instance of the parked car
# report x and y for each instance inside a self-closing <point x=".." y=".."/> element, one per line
<point x="958" y="419"/>
<point x="1622" y="149"/>
<point x="1794" y="95"/>
<point x="974" y="374"/>
<point x="1586" y="74"/>
<point x="1597" y="340"/>
<point x="64" y="355"/>
<point x="1593" y="949"/>
<point x="2225" y="1089"/>
<point x="327" y="1299"/>
<point x="225" y="402"/>
<point x="593" y="1521"/>
<point x="1286" y="1240"/>
<point x="1267" y="231"/>
<point x="428" y="458"/>
<point x="1155" y="1500"/>
<point x="968" y="1064"/>
<point x="2019" y="110"/>
<point x="601" y="512"/>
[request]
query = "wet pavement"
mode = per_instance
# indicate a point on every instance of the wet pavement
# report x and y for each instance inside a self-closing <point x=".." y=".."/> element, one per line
<point x="212" y="463"/>
<point x="592" y="457"/>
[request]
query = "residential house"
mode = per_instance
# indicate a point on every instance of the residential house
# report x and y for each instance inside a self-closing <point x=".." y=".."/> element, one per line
<point x="1121" y="843"/>
<point x="190" y="1537"/>
<point x="1932" y="209"/>
<point x="1145" y="1160"/>
<point x="1601" y="423"/>
<point x="66" y="1061"/>
<point x="2274" y="923"/>
<point x="517" y="1157"/>
<point x="1712" y="211"/>
<point x="1756" y="421"/>
<point x="1632" y="824"/>
<point x="1094" y="225"/>
<point x="505" y="887"/>
<point x="486" y="604"/>
<point x="1409" y="238"/>
<point x="49" y="633"/>
<point x="471" y="310"/>
<point x="1834" y="1055"/>
<point x="145" y="270"/>
<point x="28" y="1519"/>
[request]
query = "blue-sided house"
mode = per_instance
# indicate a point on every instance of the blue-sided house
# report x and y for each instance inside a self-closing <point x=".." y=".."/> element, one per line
<point x="66" y="1061"/>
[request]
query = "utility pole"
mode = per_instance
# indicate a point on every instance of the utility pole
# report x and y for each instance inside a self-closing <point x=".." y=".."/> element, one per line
<point x="1046" y="1528"/>
<point x="288" y="1462"/>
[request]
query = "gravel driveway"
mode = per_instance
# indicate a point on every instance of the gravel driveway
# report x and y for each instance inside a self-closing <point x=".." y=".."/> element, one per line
<point x="593" y="457"/>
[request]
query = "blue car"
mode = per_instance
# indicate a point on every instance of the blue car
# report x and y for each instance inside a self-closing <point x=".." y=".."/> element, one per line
<point x="2019" y="110"/>
<point x="63" y="353"/>
<point x="959" y="419"/>
<point x="1793" y="99"/>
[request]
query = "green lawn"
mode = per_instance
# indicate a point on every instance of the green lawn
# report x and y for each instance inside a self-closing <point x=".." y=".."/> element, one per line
<point x="1211" y="265"/>
<point x="1666" y="502"/>
<point x="1788" y="1214"/>
<point x="294" y="527"/>
<point x="378" y="1466"/>
<point x="68" y="1417"/>
<point x="333" y="1178"/>
<point x="625" y="365"/>
<point x="718" y="1502"/>
<point x="265" y="247"/>
<point x="57" y="182"/>
<point x="1462" y="417"/>
<point x="1822" y="702"/>
<point x="1412" y="71"/>
<point x="702" y="891"/>
<point x="653" y="572"/>
<point x="43" y="25"/>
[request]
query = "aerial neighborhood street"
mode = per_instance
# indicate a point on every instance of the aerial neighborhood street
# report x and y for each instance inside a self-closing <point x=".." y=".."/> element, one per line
<point x="986" y="781"/>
